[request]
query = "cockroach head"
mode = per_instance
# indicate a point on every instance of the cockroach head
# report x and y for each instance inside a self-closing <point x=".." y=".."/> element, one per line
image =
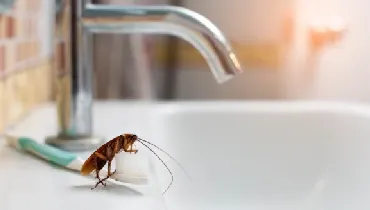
<point x="131" y="138"/>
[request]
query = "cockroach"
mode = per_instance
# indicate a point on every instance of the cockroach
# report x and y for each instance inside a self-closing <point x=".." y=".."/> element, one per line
<point x="107" y="152"/>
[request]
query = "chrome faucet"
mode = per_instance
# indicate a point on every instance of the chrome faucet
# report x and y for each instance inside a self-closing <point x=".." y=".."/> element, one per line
<point x="82" y="19"/>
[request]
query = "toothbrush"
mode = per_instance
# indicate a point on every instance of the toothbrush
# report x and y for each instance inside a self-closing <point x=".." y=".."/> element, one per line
<point x="52" y="154"/>
<point x="62" y="158"/>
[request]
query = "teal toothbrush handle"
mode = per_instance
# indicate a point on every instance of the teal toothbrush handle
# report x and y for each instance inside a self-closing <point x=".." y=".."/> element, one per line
<point x="52" y="154"/>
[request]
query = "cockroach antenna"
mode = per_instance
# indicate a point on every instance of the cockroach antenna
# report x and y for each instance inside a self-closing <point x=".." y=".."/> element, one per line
<point x="182" y="168"/>
<point x="163" y="164"/>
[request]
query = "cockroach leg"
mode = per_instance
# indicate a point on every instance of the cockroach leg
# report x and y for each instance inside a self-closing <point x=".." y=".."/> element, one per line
<point x="109" y="171"/>
<point x="99" y="182"/>
<point x="130" y="150"/>
<point x="133" y="150"/>
<point x="109" y="167"/>
<point x="97" y="172"/>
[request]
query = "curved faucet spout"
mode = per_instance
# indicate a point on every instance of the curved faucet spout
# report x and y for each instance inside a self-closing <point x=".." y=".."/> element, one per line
<point x="168" y="20"/>
<point x="75" y="83"/>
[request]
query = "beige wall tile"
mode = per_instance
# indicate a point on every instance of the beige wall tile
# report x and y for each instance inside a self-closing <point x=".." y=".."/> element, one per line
<point x="10" y="56"/>
<point x="20" y="92"/>
<point x="2" y="27"/>
<point x="27" y="79"/>
<point x="2" y="58"/>
<point x="2" y="102"/>
<point x="12" y="104"/>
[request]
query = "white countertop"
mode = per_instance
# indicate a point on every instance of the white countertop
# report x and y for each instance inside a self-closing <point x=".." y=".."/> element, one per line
<point x="28" y="182"/>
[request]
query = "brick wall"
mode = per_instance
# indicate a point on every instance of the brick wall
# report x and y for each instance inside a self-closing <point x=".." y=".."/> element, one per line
<point x="25" y="70"/>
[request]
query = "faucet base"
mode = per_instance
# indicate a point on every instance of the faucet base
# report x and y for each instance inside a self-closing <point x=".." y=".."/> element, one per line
<point x="76" y="144"/>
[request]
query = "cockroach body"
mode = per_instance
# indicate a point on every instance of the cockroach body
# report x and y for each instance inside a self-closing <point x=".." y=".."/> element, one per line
<point x="107" y="152"/>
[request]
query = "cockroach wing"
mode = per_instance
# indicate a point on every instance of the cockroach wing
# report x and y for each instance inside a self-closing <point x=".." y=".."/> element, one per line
<point x="88" y="166"/>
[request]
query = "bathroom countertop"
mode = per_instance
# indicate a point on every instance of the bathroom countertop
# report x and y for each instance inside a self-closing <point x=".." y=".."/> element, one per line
<point x="28" y="182"/>
<point x="328" y="157"/>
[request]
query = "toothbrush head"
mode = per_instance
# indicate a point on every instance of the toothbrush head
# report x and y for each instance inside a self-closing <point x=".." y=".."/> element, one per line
<point x="131" y="168"/>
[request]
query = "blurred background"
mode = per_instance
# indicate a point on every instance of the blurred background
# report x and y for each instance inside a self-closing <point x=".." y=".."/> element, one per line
<point x="289" y="49"/>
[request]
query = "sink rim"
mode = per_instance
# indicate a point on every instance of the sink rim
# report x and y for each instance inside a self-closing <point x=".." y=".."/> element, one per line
<point x="169" y="108"/>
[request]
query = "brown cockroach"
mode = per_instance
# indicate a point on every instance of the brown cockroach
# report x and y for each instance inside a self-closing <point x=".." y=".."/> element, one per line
<point x="107" y="152"/>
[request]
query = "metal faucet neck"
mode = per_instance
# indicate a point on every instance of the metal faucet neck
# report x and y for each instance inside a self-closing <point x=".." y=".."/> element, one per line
<point x="85" y="18"/>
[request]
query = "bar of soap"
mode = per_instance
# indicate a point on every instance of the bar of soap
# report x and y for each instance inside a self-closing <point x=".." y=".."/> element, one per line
<point x="132" y="168"/>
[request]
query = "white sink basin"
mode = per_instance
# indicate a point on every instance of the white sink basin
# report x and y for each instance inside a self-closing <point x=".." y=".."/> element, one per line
<point x="267" y="155"/>
<point x="239" y="155"/>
